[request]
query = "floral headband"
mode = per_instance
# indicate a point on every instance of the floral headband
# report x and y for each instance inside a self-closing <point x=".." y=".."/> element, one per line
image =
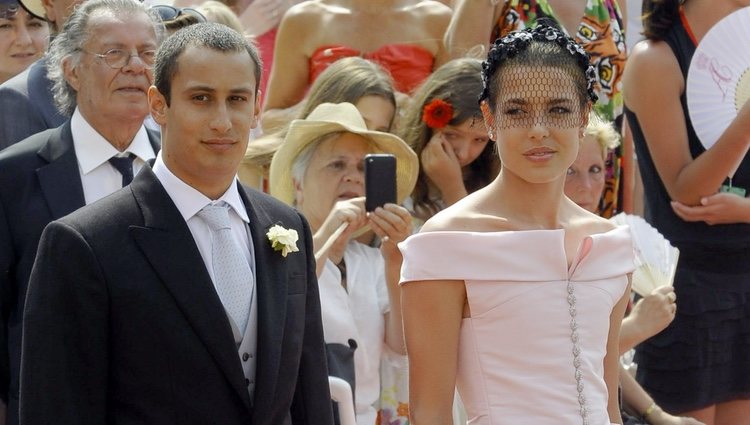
<point x="437" y="114"/>
<point x="518" y="41"/>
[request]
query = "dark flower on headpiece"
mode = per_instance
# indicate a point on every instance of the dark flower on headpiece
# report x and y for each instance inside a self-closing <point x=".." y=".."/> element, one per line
<point x="437" y="114"/>
<point x="550" y="34"/>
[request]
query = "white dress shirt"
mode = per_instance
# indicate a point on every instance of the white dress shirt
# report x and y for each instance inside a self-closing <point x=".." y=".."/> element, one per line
<point x="98" y="177"/>
<point x="189" y="202"/>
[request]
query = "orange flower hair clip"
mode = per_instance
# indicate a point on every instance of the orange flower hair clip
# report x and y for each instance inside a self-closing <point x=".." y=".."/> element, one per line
<point x="437" y="114"/>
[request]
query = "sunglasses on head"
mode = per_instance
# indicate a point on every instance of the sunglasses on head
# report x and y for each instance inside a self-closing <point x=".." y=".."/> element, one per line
<point x="9" y="9"/>
<point x="169" y="13"/>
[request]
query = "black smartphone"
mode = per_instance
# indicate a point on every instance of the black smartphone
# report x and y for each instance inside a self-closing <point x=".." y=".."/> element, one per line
<point x="380" y="180"/>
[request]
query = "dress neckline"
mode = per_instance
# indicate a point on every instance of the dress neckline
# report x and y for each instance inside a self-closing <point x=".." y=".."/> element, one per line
<point x="372" y="52"/>
<point x="581" y="252"/>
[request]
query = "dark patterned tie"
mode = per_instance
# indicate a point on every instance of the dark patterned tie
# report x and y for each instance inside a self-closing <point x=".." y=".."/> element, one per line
<point x="124" y="164"/>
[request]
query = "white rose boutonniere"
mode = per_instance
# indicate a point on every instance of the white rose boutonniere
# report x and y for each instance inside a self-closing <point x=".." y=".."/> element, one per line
<point x="283" y="240"/>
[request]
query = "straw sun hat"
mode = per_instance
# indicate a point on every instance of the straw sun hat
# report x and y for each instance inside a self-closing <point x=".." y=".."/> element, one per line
<point x="35" y="7"/>
<point x="331" y="118"/>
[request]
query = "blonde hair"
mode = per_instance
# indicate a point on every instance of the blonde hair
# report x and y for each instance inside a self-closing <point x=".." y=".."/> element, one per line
<point x="603" y="132"/>
<point x="218" y="12"/>
<point x="346" y="80"/>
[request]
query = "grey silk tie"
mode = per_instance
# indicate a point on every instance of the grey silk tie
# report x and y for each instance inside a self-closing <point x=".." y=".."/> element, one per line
<point x="232" y="274"/>
<point x="124" y="164"/>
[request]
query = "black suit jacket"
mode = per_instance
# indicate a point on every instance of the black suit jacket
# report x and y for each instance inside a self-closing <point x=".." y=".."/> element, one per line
<point x="39" y="182"/>
<point x="27" y="105"/>
<point x="123" y="324"/>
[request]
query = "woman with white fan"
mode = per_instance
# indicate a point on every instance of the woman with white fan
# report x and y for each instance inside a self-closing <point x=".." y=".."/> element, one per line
<point x="695" y="196"/>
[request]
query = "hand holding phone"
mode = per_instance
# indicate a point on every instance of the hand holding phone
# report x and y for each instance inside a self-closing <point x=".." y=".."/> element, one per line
<point x="380" y="180"/>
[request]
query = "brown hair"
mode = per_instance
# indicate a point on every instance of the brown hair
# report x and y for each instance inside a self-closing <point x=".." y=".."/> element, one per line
<point x="459" y="83"/>
<point x="659" y="16"/>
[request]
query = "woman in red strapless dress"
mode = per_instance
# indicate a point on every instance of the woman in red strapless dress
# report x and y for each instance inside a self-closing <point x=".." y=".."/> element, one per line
<point x="403" y="36"/>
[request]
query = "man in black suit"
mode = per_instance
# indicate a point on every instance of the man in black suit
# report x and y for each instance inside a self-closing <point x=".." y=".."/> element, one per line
<point x="55" y="172"/>
<point x="130" y="318"/>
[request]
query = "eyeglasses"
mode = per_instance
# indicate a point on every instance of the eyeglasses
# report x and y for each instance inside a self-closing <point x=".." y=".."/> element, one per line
<point x="118" y="58"/>
<point x="169" y="13"/>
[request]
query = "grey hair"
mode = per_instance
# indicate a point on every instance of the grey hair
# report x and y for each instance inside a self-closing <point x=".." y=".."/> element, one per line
<point x="302" y="161"/>
<point x="68" y="44"/>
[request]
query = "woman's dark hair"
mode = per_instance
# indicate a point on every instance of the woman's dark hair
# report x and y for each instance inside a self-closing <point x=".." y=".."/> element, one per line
<point x="659" y="16"/>
<point x="541" y="46"/>
<point x="457" y="82"/>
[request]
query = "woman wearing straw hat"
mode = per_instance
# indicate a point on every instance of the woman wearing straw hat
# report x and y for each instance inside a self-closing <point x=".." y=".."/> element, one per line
<point x="319" y="169"/>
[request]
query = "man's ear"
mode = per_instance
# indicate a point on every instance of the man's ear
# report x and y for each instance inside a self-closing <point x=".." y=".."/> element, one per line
<point x="489" y="119"/>
<point x="157" y="105"/>
<point x="70" y="73"/>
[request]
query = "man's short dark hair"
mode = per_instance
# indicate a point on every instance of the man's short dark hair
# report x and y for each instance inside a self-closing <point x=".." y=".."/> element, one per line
<point x="210" y="35"/>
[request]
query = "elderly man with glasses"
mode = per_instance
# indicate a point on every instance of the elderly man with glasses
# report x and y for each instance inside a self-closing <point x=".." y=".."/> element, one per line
<point x="101" y="68"/>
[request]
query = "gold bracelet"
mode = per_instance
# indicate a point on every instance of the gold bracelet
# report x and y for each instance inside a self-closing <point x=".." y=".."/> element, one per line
<point x="650" y="410"/>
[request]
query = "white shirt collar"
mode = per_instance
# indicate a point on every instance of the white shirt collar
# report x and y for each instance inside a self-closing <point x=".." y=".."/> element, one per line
<point x="189" y="200"/>
<point x="93" y="150"/>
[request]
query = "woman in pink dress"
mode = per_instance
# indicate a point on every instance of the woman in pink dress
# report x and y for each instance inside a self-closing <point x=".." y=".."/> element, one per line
<point x="515" y="294"/>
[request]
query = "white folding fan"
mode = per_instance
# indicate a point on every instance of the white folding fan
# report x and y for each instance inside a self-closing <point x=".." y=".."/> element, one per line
<point x="718" y="81"/>
<point x="655" y="257"/>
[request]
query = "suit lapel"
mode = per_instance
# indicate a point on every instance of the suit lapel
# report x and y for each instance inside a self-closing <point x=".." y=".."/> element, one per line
<point x="168" y="245"/>
<point x="271" y="287"/>
<point x="60" y="179"/>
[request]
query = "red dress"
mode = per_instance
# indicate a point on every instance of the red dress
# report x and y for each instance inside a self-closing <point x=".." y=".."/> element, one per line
<point x="409" y="65"/>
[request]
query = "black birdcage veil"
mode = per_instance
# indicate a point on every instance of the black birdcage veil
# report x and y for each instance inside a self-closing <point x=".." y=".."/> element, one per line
<point x="538" y="76"/>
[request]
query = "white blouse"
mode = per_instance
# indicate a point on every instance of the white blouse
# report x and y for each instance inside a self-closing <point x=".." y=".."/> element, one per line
<point x="357" y="312"/>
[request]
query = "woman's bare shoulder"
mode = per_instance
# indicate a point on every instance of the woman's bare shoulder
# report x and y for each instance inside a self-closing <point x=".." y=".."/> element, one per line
<point x="588" y="223"/>
<point x="467" y="215"/>
<point x="432" y="13"/>
<point x="431" y="7"/>
<point x="653" y="60"/>
<point x="307" y="13"/>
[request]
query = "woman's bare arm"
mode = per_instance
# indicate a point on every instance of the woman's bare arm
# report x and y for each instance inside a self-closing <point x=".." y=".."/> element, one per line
<point x="653" y="84"/>
<point x="432" y="314"/>
<point x="612" y="358"/>
<point x="470" y="26"/>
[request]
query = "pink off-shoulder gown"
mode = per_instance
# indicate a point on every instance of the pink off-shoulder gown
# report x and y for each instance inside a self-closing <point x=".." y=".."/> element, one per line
<point x="515" y="360"/>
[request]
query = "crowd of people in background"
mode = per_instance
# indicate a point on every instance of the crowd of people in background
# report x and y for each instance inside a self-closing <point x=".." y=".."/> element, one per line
<point x="519" y="127"/>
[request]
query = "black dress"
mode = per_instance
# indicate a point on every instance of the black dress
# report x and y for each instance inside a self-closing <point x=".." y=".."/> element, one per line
<point x="703" y="356"/>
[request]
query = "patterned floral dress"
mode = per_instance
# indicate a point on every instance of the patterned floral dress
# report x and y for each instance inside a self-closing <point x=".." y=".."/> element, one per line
<point x="601" y="33"/>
